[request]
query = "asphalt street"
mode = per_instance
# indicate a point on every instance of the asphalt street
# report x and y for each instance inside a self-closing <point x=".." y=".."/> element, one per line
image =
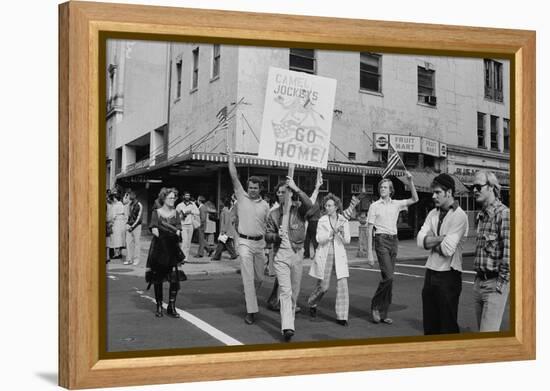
<point x="212" y="311"/>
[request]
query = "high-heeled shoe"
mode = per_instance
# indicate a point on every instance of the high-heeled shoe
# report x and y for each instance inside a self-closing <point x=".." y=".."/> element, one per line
<point x="159" y="313"/>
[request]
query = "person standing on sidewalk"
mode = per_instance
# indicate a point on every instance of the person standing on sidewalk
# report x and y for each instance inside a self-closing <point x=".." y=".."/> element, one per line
<point x="227" y="233"/>
<point x="203" y="213"/>
<point x="332" y="234"/>
<point x="382" y="218"/>
<point x="288" y="246"/>
<point x="133" y="229"/>
<point x="492" y="253"/>
<point x="190" y="220"/>
<point x="252" y="213"/>
<point x="443" y="233"/>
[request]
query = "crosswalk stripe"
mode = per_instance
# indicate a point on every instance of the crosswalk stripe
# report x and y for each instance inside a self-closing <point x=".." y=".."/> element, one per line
<point x="201" y="324"/>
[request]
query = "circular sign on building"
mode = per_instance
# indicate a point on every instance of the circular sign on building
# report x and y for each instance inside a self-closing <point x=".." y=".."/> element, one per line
<point x="381" y="142"/>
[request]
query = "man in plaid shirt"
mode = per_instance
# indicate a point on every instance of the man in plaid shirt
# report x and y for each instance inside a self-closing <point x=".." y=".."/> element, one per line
<point x="492" y="256"/>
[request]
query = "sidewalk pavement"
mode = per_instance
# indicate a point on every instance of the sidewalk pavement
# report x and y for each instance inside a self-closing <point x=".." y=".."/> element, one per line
<point x="408" y="251"/>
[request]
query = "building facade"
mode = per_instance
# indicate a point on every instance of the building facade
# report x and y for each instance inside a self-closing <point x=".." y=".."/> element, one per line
<point x="182" y="103"/>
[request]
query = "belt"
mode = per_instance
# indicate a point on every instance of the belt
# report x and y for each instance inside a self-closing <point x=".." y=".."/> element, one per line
<point x="486" y="275"/>
<point x="251" y="237"/>
<point x="387" y="236"/>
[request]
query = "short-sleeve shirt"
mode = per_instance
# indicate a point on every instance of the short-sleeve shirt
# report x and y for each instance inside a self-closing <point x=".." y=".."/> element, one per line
<point x="252" y="215"/>
<point x="383" y="215"/>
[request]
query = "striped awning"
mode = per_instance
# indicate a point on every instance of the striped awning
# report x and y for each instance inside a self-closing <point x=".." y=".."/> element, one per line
<point x="252" y="160"/>
<point x="423" y="182"/>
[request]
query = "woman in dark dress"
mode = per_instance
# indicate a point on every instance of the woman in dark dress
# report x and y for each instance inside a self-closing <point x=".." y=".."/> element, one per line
<point x="165" y="253"/>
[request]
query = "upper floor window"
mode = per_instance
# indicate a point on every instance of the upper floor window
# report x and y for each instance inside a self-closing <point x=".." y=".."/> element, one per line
<point x="426" y="86"/>
<point x="179" y="66"/>
<point x="493" y="80"/>
<point x="215" y="61"/>
<point x="302" y="60"/>
<point x="494" y="133"/>
<point x="370" y="72"/>
<point x="195" y="77"/>
<point x="481" y="130"/>
<point x="506" y="134"/>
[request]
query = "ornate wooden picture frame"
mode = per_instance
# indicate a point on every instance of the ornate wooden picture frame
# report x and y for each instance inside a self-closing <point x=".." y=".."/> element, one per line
<point x="82" y="362"/>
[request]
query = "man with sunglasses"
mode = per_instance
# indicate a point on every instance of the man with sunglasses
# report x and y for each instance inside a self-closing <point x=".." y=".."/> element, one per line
<point x="492" y="254"/>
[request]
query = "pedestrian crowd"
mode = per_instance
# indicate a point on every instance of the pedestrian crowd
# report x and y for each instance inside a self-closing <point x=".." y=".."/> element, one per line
<point x="279" y="233"/>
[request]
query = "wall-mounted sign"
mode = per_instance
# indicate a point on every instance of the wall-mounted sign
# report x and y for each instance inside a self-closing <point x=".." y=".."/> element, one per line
<point x="430" y="147"/>
<point x="405" y="143"/>
<point x="381" y="142"/>
<point x="442" y="150"/>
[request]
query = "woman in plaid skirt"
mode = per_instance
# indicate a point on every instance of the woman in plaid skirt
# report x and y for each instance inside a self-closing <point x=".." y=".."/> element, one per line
<point x="332" y="234"/>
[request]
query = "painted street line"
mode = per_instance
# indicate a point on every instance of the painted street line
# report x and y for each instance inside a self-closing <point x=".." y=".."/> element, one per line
<point x="207" y="328"/>
<point x="396" y="273"/>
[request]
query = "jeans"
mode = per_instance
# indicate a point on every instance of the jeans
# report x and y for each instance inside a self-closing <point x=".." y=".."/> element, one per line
<point x="228" y="245"/>
<point x="489" y="305"/>
<point x="386" y="252"/>
<point x="203" y="243"/>
<point x="440" y="297"/>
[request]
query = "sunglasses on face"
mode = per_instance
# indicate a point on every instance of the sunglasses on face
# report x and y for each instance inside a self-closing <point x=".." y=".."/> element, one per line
<point x="478" y="187"/>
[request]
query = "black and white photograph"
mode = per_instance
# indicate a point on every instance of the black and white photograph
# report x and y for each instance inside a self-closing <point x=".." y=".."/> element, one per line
<point x="270" y="195"/>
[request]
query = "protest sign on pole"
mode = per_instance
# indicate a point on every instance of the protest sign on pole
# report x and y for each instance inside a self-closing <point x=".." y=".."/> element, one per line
<point x="297" y="118"/>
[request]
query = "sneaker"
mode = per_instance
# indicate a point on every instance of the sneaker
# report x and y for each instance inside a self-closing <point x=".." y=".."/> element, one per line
<point x="342" y="322"/>
<point x="127" y="262"/>
<point x="135" y="263"/>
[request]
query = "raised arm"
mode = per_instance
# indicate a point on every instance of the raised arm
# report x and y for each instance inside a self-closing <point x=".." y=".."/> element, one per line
<point x="318" y="184"/>
<point x="237" y="187"/>
<point x="306" y="202"/>
<point x="414" y="198"/>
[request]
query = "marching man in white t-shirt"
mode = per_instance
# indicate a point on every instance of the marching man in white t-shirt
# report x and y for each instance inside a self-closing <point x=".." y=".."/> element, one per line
<point x="382" y="217"/>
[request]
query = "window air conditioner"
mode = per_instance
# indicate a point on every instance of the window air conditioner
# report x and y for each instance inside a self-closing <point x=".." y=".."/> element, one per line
<point x="431" y="100"/>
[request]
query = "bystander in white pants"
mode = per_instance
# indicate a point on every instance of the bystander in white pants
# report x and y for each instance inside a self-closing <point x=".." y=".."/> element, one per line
<point x="186" y="236"/>
<point x="253" y="261"/>
<point x="289" y="267"/>
<point x="133" y="245"/>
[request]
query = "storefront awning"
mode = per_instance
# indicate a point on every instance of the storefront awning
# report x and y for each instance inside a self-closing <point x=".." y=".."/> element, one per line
<point x="333" y="167"/>
<point x="252" y="161"/>
<point x="423" y="182"/>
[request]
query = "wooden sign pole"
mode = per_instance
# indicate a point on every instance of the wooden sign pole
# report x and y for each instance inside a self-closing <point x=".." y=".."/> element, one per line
<point x="287" y="205"/>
